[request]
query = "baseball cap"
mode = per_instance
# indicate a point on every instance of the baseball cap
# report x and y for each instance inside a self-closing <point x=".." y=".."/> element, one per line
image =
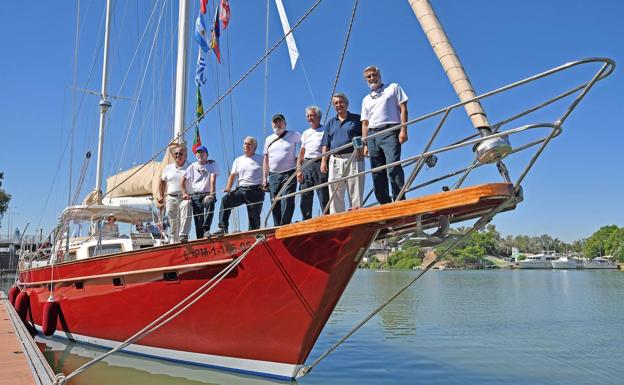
<point x="278" y="116"/>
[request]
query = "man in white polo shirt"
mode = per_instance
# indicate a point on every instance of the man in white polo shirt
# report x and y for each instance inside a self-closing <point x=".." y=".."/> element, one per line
<point x="248" y="170"/>
<point x="385" y="106"/>
<point x="176" y="207"/>
<point x="311" y="175"/>
<point x="280" y="160"/>
<point x="203" y="176"/>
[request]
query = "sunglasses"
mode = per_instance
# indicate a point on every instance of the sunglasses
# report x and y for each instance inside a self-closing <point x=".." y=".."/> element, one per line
<point x="178" y="153"/>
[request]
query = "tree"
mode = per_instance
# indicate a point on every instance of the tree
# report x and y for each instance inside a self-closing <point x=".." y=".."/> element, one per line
<point x="602" y="242"/>
<point x="4" y="198"/>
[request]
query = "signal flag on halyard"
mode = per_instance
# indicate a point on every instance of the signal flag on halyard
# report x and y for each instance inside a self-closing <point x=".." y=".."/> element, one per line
<point x="290" y="40"/>
<point x="202" y="8"/>
<point x="216" y="33"/>
<point x="196" y="140"/>
<point x="200" y="107"/>
<point x="200" y="70"/>
<point x="201" y="35"/>
<point x="225" y="13"/>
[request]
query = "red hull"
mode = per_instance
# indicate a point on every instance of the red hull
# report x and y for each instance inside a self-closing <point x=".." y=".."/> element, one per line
<point x="271" y="308"/>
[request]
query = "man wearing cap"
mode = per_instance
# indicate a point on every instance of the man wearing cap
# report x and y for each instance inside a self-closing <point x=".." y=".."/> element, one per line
<point x="248" y="170"/>
<point x="385" y="106"/>
<point x="339" y="131"/>
<point x="311" y="175"/>
<point x="177" y="208"/>
<point x="280" y="160"/>
<point x="203" y="176"/>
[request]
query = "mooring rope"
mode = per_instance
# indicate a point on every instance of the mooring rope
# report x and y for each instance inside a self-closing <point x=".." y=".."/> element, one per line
<point x="172" y="313"/>
<point x="478" y="225"/>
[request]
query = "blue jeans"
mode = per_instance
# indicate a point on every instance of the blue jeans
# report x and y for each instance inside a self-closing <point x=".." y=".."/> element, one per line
<point x="203" y="211"/>
<point x="384" y="149"/>
<point x="313" y="176"/>
<point x="252" y="196"/>
<point x="283" y="209"/>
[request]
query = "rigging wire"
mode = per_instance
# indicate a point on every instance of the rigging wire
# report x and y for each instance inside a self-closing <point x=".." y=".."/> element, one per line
<point x="235" y="217"/>
<point x="220" y="99"/>
<point x="305" y="75"/>
<point x="141" y="83"/>
<point x="266" y="72"/>
<point x="344" y="51"/>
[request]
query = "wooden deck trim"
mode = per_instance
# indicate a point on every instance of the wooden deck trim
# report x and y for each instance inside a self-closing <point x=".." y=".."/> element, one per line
<point x="396" y="210"/>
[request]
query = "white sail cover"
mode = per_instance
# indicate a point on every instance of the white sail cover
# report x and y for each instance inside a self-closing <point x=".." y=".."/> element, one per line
<point x="138" y="184"/>
<point x="144" y="182"/>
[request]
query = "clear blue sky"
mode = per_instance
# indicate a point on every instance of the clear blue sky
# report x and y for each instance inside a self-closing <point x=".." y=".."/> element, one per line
<point x="574" y="189"/>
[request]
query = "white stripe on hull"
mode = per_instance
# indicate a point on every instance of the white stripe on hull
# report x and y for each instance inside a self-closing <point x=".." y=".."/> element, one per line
<point x="257" y="367"/>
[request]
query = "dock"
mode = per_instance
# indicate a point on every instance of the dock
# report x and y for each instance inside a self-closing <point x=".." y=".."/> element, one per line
<point x="21" y="361"/>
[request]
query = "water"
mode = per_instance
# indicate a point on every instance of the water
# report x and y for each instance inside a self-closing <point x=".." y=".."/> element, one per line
<point x="451" y="327"/>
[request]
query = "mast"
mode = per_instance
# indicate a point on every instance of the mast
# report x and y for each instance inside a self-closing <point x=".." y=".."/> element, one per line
<point x="490" y="150"/>
<point x="105" y="104"/>
<point x="181" y="72"/>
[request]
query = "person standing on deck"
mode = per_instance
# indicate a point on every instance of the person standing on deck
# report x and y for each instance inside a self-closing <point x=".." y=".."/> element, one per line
<point x="248" y="170"/>
<point x="279" y="164"/>
<point x="311" y="175"/>
<point x="203" y="176"/>
<point x="339" y="131"/>
<point x="177" y="208"/>
<point x="385" y="106"/>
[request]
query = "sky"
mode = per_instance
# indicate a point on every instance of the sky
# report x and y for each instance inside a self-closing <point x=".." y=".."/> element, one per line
<point x="51" y="53"/>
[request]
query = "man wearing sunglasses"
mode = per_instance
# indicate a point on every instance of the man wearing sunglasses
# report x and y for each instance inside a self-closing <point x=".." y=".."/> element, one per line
<point x="177" y="208"/>
<point x="203" y="177"/>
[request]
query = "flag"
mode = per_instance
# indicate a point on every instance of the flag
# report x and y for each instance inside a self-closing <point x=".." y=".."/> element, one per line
<point x="216" y="33"/>
<point x="201" y="34"/>
<point x="196" y="140"/>
<point x="225" y="13"/>
<point x="200" y="109"/>
<point x="200" y="70"/>
<point x="290" y="40"/>
<point x="202" y="8"/>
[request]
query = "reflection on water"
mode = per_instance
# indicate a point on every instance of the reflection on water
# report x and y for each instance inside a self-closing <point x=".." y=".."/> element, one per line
<point x="451" y="327"/>
<point x="132" y="369"/>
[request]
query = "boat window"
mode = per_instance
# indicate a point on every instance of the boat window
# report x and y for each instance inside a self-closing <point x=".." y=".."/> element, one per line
<point x="105" y="249"/>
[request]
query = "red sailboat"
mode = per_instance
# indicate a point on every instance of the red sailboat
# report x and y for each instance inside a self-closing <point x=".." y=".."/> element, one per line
<point x="253" y="301"/>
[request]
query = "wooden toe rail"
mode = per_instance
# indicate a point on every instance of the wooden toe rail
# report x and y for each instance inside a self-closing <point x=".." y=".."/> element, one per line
<point x="465" y="203"/>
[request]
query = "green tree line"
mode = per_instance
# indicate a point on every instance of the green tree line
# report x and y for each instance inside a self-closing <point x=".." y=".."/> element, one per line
<point x="608" y="240"/>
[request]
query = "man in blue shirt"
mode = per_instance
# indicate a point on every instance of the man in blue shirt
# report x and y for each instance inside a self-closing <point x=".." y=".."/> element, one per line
<point x="340" y="131"/>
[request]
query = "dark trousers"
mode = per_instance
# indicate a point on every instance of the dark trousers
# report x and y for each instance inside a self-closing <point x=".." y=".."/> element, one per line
<point x="313" y="176"/>
<point x="252" y="196"/>
<point x="384" y="149"/>
<point x="203" y="211"/>
<point x="283" y="209"/>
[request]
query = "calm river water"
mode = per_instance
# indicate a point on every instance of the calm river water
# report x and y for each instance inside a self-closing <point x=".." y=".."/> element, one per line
<point x="451" y="327"/>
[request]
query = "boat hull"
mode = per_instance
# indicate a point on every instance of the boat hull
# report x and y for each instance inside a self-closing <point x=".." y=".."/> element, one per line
<point x="264" y="317"/>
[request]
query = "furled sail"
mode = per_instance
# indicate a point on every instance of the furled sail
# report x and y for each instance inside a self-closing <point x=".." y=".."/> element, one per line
<point x="145" y="181"/>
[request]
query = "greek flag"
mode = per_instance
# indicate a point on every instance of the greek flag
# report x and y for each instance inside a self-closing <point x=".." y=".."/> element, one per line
<point x="200" y="70"/>
<point x="201" y="35"/>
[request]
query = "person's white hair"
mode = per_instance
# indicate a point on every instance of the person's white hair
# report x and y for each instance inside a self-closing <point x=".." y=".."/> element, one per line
<point x="252" y="140"/>
<point x="373" y="68"/>
<point x="317" y="111"/>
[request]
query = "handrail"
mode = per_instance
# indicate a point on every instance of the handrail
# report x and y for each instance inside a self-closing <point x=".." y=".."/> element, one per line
<point x="605" y="70"/>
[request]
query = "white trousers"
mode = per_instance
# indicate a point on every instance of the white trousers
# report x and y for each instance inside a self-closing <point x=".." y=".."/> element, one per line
<point x="354" y="186"/>
<point x="179" y="213"/>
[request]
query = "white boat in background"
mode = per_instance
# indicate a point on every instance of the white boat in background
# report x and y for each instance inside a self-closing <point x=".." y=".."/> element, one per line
<point x="567" y="263"/>
<point x="600" y="263"/>
<point x="537" y="261"/>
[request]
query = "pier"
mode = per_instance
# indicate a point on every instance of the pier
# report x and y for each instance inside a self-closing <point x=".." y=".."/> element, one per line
<point x="21" y="361"/>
